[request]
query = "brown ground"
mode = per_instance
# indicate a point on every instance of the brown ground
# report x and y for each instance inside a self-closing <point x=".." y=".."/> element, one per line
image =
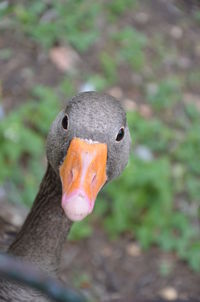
<point x="107" y="270"/>
<point x="117" y="274"/>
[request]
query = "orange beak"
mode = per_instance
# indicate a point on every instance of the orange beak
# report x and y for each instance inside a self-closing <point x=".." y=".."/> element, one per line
<point x="83" y="173"/>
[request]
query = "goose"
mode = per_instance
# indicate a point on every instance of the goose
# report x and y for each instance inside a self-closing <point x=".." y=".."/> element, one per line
<point x="88" y="145"/>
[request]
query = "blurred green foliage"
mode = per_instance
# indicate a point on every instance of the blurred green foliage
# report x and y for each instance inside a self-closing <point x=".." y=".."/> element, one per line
<point x="131" y="44"/>
<point x="22" y="144"/>
<point x="50" y="23"/>
<point x="144" y="201"/>
<point x="118" y="7"/>
<point x="165" y="94"/>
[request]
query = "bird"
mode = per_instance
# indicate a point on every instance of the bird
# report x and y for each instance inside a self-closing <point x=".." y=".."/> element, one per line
<point x="88" y="145"/>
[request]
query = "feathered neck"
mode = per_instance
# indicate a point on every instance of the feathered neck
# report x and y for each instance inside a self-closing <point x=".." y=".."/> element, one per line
<point x="44" y="232"/>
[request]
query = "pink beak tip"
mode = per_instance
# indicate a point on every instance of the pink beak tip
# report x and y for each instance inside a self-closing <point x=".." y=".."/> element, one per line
<point x="76" y="206"/>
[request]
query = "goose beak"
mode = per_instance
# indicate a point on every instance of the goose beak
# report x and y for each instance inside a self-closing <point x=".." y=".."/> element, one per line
<point x="83" y="173"/>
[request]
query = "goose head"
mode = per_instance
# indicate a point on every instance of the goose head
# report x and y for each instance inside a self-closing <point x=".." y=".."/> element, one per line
<point x="88" y="145"/>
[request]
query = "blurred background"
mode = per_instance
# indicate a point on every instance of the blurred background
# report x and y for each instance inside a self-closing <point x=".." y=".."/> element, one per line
<point x="143" y="240"/>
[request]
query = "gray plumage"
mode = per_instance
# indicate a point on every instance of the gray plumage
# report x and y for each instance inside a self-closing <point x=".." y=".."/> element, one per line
<point x="91" y="115"/>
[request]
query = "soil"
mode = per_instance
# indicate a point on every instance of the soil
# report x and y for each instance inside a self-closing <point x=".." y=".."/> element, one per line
<point x="109" y="270"/>
<point x="117" y="274"/>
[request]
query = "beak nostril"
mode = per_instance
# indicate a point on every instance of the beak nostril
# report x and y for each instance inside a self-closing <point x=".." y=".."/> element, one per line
<point x="71" y="176"/>
<point x="94" y="177"/>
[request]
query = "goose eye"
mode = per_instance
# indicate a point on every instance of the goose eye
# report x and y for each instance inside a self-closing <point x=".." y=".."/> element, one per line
<point x="120" y="135"/>
<point x="65" y="122"/>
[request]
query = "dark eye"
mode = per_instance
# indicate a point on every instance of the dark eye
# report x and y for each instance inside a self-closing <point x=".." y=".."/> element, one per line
<point x="65" y="122"/>
<point x="120" y="135"/>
